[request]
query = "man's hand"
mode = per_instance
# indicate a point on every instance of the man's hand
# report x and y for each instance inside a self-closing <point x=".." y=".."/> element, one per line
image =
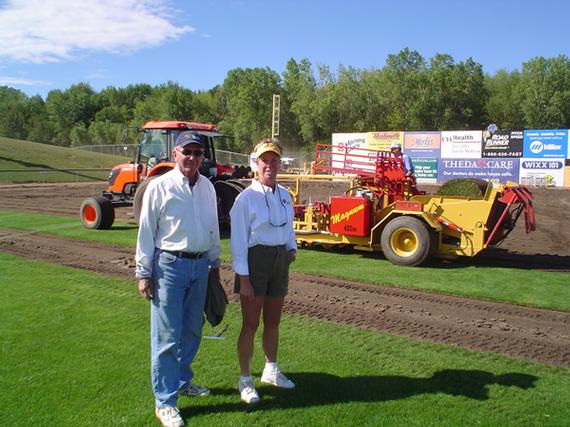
<point x="145" y="288"/>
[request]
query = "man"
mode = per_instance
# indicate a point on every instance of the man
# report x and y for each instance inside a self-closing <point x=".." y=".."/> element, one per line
<point x="396" y="150"/>
<point x="178" y="246"/>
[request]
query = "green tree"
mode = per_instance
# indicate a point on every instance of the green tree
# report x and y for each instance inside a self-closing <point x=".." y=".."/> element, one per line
<point x="503" y="106"/>
<point x="544" y="91"/>
<point x="13" y="113"/>
<point x="247" y="105"/>
<point x="407" y="91"/>
<point x="74" y="106"/>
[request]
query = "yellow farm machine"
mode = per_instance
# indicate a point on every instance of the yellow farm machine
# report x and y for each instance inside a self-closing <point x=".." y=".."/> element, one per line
<point x="383" y="210"/>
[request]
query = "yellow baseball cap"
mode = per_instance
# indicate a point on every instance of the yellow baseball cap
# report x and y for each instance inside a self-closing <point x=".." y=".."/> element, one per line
<point x="267" y="146"/>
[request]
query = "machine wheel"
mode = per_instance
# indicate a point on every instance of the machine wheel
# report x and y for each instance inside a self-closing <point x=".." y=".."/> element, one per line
<point x="226" y="193"/>
<point x="406" y="241"/>
<point x="97" y="213"/>
<point x="138" y="199"/>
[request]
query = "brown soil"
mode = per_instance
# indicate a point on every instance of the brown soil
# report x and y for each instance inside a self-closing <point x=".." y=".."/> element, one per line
<point x="535" y="334"/>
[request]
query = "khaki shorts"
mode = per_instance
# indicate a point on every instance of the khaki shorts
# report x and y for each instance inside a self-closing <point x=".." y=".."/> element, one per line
<point x="268" y="271"/>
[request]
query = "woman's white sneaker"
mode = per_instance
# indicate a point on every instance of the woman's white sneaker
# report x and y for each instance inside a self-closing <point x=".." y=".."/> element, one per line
<point x="247" y="391"/>
<point x="277" y="378"/>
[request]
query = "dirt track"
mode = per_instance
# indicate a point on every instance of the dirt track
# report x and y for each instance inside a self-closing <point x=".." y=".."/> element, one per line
<point x="541" y="335"/>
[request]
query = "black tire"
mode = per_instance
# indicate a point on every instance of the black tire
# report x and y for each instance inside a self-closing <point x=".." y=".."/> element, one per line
<point x="406" y="241"/>
<point x="138" y="199"/>
<point x="226" y="193"/>
<point x="97" y="213"/>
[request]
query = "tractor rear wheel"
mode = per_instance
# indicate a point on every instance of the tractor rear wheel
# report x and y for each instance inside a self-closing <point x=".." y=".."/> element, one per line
<point x="226" y="193"/>
<point x="406" y="241"/>
<point x="97" y="213"/>
<point x="138" y="199"/>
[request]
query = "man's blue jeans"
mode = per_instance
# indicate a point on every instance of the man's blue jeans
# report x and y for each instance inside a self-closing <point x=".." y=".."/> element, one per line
<point x="176" y="320"/>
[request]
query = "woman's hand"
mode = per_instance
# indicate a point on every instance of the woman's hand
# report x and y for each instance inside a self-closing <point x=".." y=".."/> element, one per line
<point x="245" y="288"/>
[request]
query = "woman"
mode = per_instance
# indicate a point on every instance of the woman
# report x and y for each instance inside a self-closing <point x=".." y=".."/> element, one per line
<point x="262" y="245"/>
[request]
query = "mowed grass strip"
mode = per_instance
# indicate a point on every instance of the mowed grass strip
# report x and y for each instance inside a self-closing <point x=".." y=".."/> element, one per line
<point x="75" y="352"/>
<point x="519" y="286"/>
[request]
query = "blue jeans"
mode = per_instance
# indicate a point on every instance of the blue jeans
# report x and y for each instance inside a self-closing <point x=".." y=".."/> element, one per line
<point x="176" y="320"/>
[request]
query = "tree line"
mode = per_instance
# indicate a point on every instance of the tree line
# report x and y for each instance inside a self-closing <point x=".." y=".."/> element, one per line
<point x="408" y="93"/>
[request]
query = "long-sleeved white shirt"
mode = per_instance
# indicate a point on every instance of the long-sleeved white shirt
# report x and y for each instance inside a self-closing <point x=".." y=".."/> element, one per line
<point x="260" y="216"/>
<point x="177" y="217"/>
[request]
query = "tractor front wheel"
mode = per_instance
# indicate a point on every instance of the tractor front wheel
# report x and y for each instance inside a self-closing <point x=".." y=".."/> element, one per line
<point x="406" y="241"/>
<point x="97" y="213"/>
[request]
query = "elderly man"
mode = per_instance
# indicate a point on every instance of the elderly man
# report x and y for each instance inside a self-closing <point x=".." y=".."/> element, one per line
<point x="178" y="246"/>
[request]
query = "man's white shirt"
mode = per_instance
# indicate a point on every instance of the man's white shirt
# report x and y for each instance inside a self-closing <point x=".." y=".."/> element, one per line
<point x="177" y="217"/>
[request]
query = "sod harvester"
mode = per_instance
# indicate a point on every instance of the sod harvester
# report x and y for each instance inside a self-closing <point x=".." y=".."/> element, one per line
<point x="382" y="210"/>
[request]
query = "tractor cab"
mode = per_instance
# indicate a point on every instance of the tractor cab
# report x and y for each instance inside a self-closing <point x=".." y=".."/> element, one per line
<point x="158" y="140"/>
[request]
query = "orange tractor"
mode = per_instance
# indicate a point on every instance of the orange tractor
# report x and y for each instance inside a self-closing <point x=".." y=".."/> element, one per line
<point x="382" y="210"/>
<point x="128" y="181"/>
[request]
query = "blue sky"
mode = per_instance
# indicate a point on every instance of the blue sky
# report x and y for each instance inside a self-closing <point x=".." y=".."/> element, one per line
<point x="52" y="44"/>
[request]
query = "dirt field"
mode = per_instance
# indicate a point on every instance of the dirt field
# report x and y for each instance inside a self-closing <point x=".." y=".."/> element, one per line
<point x="541" y="335"/>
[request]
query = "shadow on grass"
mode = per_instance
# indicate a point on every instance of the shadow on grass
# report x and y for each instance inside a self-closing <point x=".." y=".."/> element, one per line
<point x="318" y="389"/>
<point x="491" y="257"/>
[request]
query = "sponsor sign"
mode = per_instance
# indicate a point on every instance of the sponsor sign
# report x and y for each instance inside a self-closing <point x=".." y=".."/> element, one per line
<point x="381" y="140"/>
<point x="542" y="172"/>
<point x="425" y="169"/>
<point x="549" y="143"/>
<point x="503" y="143"/>
<point x="461" y="144"/>
<point x="500" y="170"/>
<point x="343" y="143"/>
<point x="422" y="144"/>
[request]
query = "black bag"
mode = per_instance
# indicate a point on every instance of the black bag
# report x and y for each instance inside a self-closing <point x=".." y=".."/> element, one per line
<point x="216" y="301"/>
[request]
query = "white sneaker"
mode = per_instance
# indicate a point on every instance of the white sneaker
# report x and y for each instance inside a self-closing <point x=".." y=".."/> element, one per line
<point x="247" y="391"/>
<point x="169" y="416"/>
<point x="277" y="378"/>
<point x="194" y="390"/>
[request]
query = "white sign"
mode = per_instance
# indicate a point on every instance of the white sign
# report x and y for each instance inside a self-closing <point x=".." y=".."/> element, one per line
<point x="461" y="144"/>
<point x="542" y="172"/>
<point x="343" y="143"/>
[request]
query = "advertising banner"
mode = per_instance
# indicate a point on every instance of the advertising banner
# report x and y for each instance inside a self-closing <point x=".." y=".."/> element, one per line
<point x="422" y="144"/>
<point x="342" y="145"/>
<point x="425" y="169"/>
<point x="542" y="172"/>
<point x="381" y="140"/>
<point x="548" y="143"/>
<point x="503" y="143"/>
<point x="500" y="170"/>
<point x="461" y="144"/>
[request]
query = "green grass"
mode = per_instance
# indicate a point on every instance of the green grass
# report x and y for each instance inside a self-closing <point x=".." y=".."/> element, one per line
<point x="74" y="351"/>
<point x="520" y="286"/>
<point x="26" y="156"/>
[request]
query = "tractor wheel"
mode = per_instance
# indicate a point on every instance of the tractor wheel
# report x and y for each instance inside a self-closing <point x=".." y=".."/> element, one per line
<point x="406" y="241"/>
<point x="226" y="193"/>
<point x="97" y="213"/>
<point x="138" y="199"/>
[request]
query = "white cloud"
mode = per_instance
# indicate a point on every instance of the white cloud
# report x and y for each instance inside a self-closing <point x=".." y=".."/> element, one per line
<point x="39" y="31"/>
<point x="18" y="81"/>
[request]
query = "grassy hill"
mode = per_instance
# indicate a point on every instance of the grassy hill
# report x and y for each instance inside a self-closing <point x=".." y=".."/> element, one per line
<point x="24" y="161"/>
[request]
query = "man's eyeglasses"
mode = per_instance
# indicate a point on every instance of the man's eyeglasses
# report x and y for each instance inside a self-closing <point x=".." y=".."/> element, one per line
<point x="195" y="153"/>
<point x="269" y="209"/>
